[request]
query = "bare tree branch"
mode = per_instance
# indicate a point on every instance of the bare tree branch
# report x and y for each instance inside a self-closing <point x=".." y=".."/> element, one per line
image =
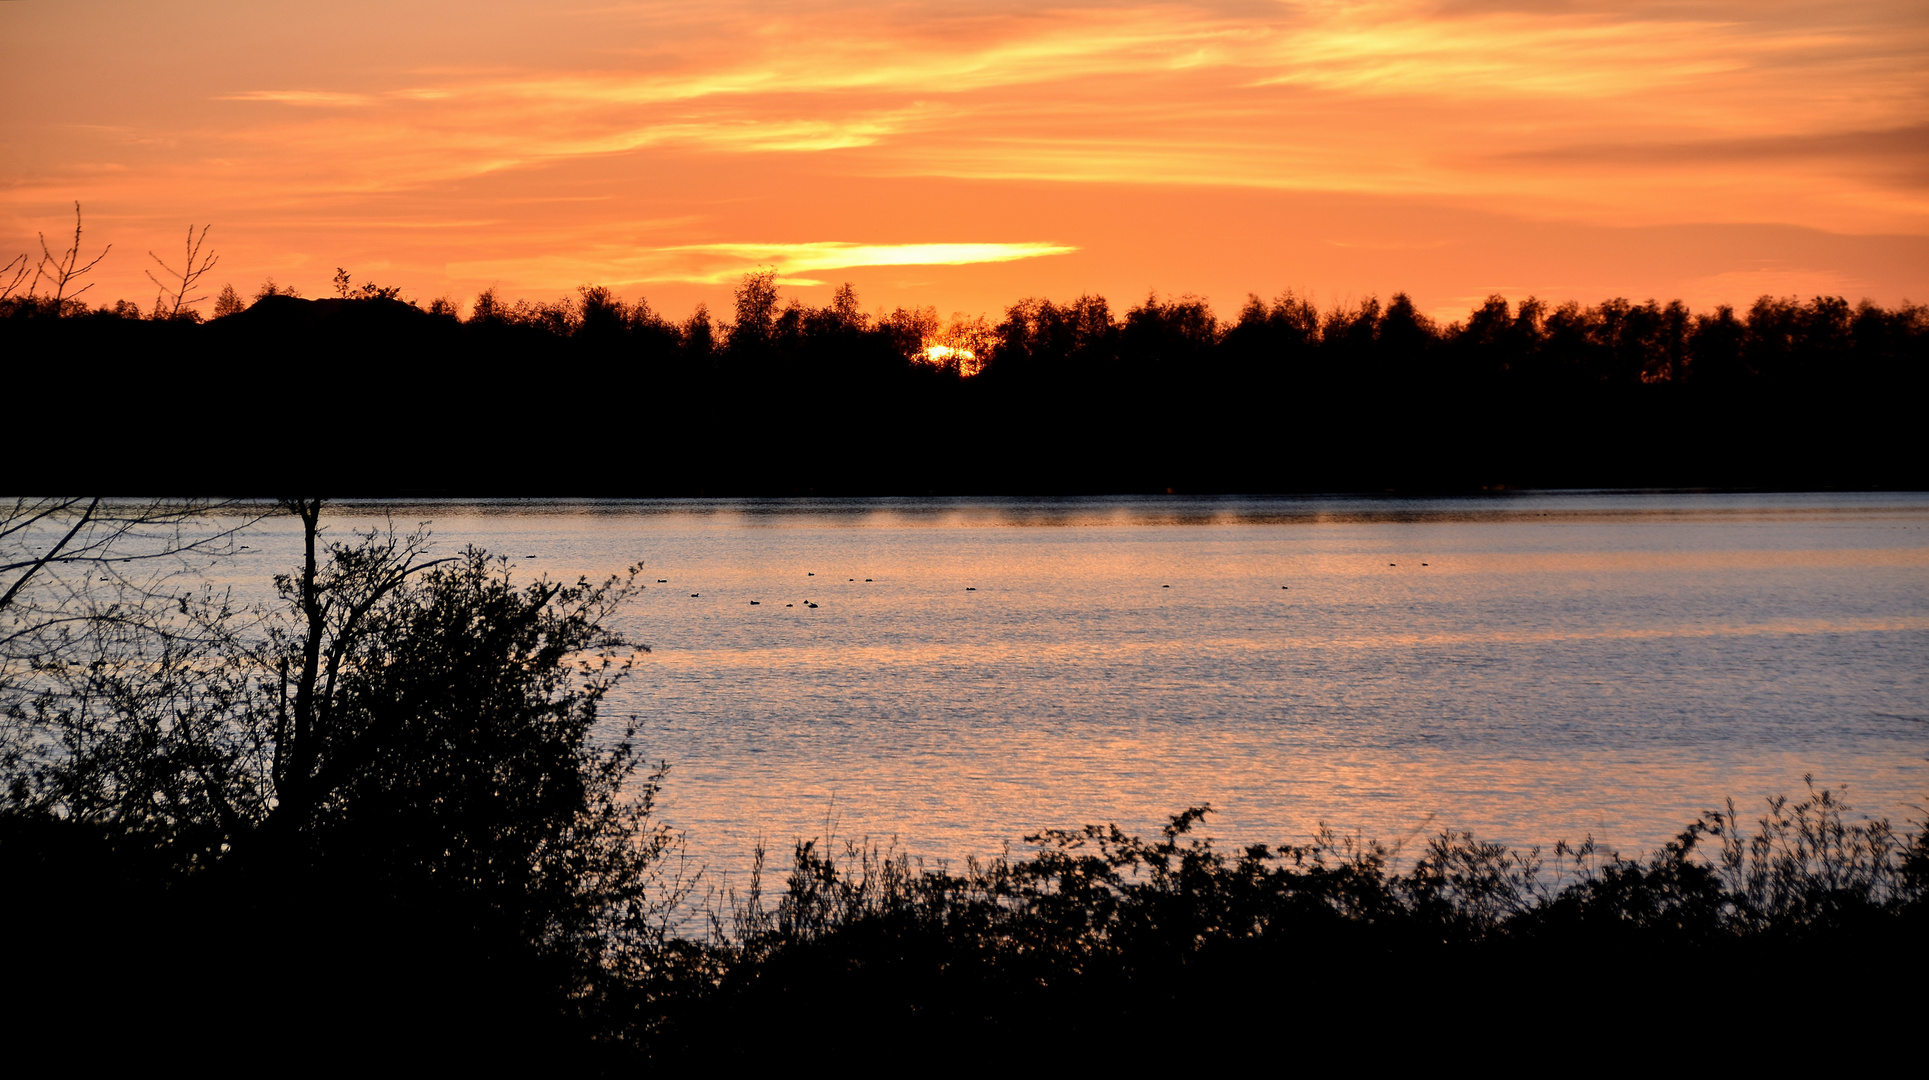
<point x="63" y="270"/>
<point x="52" y="553"/>
<point x="196" y="267"/>
<point x="77" y="569"/>
<point x="18" y="275"/>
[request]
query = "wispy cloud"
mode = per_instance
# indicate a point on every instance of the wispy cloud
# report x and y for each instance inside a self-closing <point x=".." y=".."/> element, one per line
<point x="1394" y="96"/>
<point x="311" y="98"/>
<point x="719" y="263"/>
<point x="1607" y="113"/>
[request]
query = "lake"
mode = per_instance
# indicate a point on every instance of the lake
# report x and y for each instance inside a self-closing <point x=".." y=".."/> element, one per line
<point x="1530" y="667"/>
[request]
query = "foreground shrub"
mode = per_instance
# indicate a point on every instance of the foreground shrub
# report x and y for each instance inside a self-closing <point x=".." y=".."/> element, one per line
<point x="1097" y="931"/>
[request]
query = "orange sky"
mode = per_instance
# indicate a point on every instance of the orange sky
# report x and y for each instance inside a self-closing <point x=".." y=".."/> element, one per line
<point x="964" y="155"/>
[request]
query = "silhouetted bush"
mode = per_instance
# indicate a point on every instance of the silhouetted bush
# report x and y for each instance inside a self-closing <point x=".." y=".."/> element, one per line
<point x="371" y="818"/>
<point x="1097" y="932"/>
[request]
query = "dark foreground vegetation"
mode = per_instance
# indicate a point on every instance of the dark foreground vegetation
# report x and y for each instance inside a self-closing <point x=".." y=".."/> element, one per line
<point x="372" y="826"/>
<point x="592" y="395"/>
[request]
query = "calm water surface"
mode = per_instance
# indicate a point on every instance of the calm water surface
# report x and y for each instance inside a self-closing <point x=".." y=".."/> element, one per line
<point x="1528" y="667"/>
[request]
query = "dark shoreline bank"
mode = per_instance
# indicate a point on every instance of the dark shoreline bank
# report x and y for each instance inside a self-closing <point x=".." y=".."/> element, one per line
<point x="374" y="397"/>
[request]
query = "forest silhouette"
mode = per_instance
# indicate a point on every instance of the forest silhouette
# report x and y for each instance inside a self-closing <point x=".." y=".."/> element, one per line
<point x="593" y="395"/>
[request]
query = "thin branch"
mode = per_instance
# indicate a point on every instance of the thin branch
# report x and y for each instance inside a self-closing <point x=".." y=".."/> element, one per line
<point x="196" y="267"/>
<point x="65" y="268"/>
<point x="14" y="523"/>
<point x="51" y="554"/>
<point x="19" y="275"/>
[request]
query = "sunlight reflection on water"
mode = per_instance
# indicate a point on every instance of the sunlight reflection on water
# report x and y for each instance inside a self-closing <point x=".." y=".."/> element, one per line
<point x="1531" y="667"/>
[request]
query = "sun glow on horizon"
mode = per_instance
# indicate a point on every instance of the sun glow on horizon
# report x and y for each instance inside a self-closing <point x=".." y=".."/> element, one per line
<point x="965" y="360"/>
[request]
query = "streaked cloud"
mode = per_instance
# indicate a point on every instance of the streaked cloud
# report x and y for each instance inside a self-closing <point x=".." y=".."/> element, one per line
<point x="321" y="98"/>
<point x="539" y="120"/>
<point x="791" y="260"/>
<point x="1392" y="96"/>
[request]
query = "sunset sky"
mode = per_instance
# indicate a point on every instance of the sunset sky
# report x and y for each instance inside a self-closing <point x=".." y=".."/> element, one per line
<point x="965" y="155"/>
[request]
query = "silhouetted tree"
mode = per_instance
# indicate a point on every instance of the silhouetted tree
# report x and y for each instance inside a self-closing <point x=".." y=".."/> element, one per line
<point x="603" y="318"/>
<point x="756" y="312"/>
<point x="430" y="730"/>
<point x="1404" y="345"/>
<point x="1168" y="342"/>
<point x="700" y="339"/>
<point x="382" y="797"/>
<point x="270" y="288"/>
<point x="228" y="303"/>
<point x="411" y="728"/>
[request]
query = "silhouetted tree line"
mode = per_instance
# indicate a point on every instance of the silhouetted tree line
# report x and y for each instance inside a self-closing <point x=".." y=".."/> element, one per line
<point x="369" y="825"/>
<point x="785" y="398"/>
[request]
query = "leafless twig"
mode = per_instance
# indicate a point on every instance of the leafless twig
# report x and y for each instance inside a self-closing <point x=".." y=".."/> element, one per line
<point x="18" y="268"/>
<point x="197" y="265"/>
<point x="64" y="269"/>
